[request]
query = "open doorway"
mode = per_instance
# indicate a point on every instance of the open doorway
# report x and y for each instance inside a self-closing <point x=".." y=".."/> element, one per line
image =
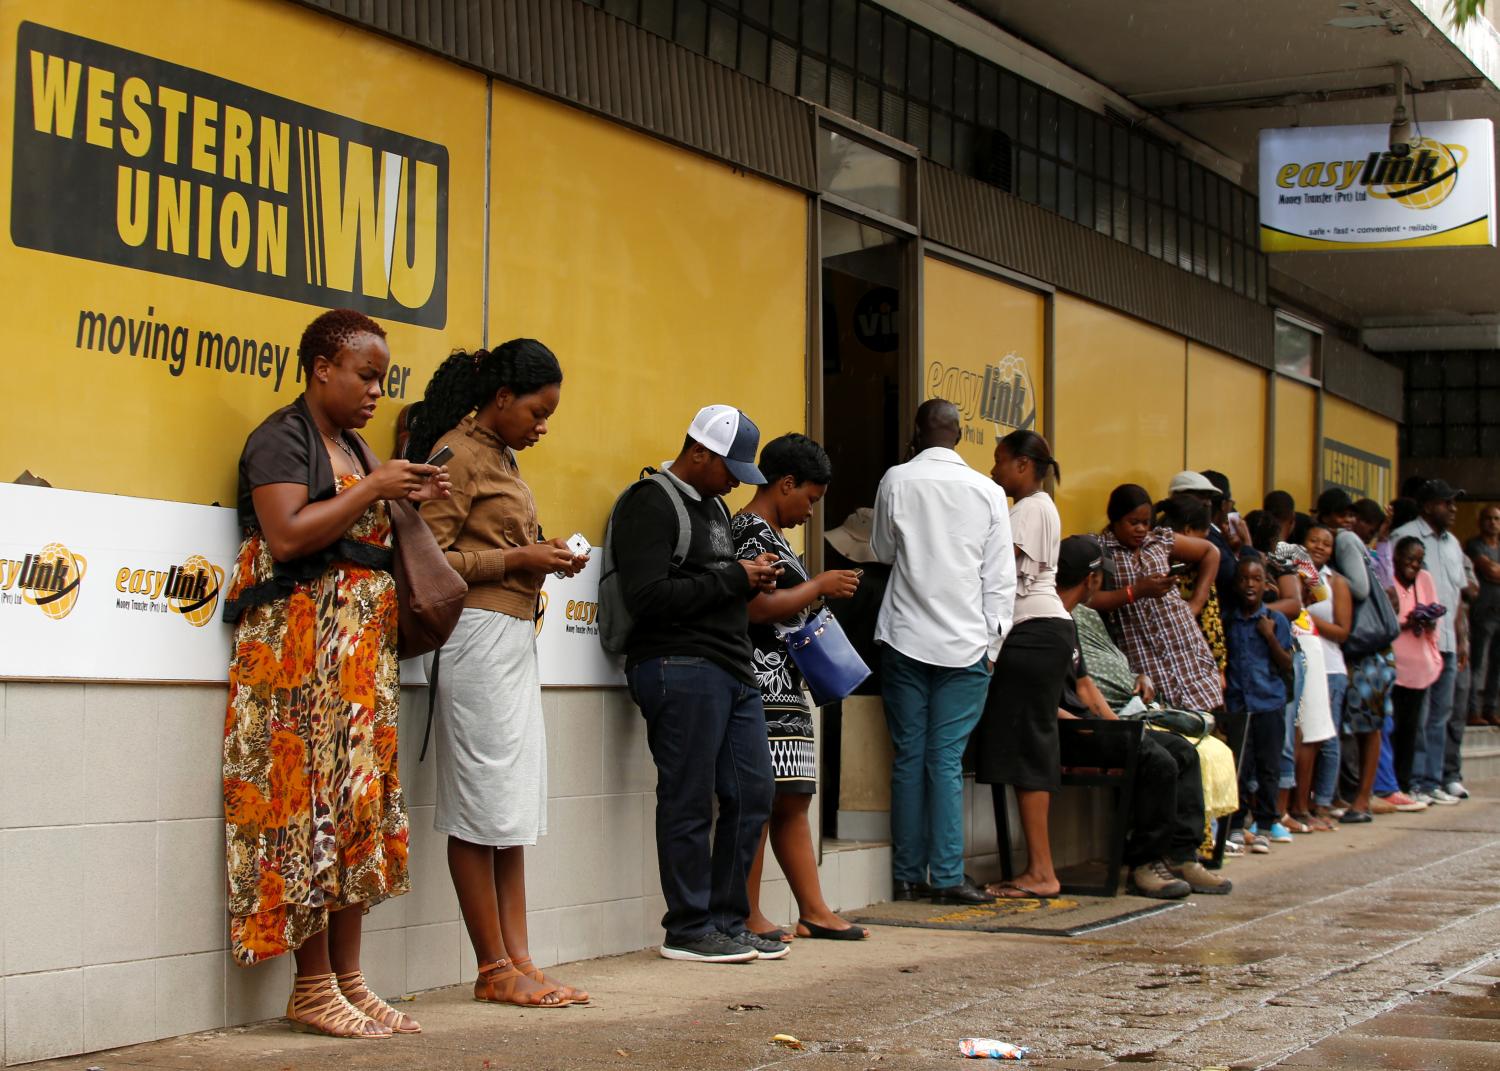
<point x="866" y="352"/>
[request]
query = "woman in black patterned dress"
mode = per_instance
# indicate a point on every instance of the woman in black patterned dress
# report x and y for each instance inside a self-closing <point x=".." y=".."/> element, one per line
<point x="797" y="472"/>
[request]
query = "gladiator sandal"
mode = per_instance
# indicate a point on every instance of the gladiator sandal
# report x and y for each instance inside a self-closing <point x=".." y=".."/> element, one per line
<point x="530" y="970"/>
<point x="496" y="984"/>
<point x="357" y="993"/>
<point x="317" y="1005"/>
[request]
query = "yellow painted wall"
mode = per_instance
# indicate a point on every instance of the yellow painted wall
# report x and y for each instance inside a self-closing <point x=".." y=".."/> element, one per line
<point x="1120" y="388"/>
<point x="101" y="419"/>
<point x="1364" y="431"/>
<point x="1296" y="432"/>
<point x="662" y="280"/>
<point x="1226" y="421"/>
<point x="984" y="350"/>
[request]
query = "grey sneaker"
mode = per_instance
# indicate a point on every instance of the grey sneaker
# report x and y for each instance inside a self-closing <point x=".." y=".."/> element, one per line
<point x="1456" y="790"/>
<point x="713" y="947"/>
<point x="765" y="947"/>
<point x="1156" y="881"/>
<point x="1442" y="798"/>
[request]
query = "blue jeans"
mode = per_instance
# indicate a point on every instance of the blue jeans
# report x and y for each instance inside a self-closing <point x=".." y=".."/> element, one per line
<point x="1326" y="766"/>
<point x="930" y="710"/>
<point x="1432" y="739"/>
<point x="1385" y="772"/>
<point x="707" y="733"/>
<point x="1289" y="743"/>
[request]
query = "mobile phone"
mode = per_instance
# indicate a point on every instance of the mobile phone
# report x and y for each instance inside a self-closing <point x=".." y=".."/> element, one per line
<point x="859" y="573"/>
<point x="441" y="457"/>
<point x="578" y="545"/>
<point x="1178" y="569"/>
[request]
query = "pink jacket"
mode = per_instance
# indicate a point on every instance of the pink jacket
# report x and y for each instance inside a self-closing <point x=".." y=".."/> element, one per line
<point x="1418" y="662"/>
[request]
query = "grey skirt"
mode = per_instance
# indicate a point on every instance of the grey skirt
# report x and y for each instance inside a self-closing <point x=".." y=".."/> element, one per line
<point x="491" y="743"/>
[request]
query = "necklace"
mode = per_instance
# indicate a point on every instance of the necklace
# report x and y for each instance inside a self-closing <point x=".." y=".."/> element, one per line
<point x="342" y="445"/>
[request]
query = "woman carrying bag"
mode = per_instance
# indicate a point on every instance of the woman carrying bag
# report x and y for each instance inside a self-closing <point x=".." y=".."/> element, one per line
<point x="491" y="741"/>
<point x="797" y="472"/>
<point x="315" y="822"/>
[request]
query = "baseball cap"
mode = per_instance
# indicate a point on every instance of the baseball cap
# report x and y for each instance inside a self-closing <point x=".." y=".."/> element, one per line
<point x="1438" y="491"/>
<point x="733" y="436"/>
<point x="1077" y="557"/>
<point x="1191" y="482"/>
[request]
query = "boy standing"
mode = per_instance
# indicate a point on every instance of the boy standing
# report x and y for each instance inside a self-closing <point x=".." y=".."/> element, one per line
<point x="1259" y="641"/>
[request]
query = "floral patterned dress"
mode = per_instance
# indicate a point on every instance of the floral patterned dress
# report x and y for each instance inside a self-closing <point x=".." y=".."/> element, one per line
<point x="314" y="817"/>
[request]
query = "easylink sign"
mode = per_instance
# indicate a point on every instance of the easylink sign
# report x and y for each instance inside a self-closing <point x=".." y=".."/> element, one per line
<point x="129" y="160"/>
<point x="1340" y="187"/>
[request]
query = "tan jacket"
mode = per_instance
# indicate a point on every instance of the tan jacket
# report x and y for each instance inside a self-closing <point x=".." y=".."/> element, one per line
<point x="490" y="510"/>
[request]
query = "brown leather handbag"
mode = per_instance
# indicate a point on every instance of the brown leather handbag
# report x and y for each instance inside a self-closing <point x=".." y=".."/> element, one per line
<point x="429" y="592"/>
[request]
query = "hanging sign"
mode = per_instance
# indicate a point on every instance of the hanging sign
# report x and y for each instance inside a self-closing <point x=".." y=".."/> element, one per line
<point x="1341" y="187"/>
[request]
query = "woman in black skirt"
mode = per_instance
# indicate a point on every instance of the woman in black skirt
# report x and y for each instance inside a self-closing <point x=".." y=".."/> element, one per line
<point x="1017" y="741"/>
<point x="797" y="472"/>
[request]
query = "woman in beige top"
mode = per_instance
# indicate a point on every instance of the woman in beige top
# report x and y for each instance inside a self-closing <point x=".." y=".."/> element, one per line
<point x="491" y="743"/>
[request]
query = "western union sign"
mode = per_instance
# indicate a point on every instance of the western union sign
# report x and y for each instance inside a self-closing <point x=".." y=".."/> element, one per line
<point x="129" y="160"/>
<point x="1340" y="187"/>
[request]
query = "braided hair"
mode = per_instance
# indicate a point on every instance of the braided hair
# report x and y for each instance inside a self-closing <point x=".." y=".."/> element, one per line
<point x="466" y="381"/>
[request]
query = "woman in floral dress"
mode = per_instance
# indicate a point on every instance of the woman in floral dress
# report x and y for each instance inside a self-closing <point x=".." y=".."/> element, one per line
<point x="315" y="824"/>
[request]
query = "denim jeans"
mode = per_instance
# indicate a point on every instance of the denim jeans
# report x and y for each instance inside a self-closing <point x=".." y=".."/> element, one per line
<point x="1432" y="738"/>
<point x="707" y="733"/>
<point x="930" y="710"/>
<point x="1326" y="766"/>
<point x="1289" y="743"/>
<point x="1385" y="770"/>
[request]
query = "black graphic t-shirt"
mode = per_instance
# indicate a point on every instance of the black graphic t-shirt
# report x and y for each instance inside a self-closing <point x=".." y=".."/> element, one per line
<point x="775" y="672"/>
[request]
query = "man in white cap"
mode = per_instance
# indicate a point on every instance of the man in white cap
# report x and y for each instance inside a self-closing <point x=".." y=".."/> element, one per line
<point x="946" y="530"/>
<point x="688" y="660"/>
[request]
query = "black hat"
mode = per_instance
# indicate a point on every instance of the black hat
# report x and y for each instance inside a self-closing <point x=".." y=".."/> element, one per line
<point x="1438" y="491"/>
<point x="1334" y="500"/>
<point x="1079" y="556"/>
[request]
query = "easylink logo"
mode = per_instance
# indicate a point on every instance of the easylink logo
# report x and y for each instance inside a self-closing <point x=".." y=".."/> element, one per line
<point x="129" y="160"/>
<point x="1421" y="180"/>
<point x="1001" y="396"/>
<point x="49" y="579"/>
<point x="190" y="589"/>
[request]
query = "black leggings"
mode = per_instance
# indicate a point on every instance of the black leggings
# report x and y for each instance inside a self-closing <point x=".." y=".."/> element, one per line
<point x="1406" y="705"/>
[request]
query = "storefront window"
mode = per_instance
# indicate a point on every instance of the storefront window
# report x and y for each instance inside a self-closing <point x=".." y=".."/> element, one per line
<point x="1298" y="350"/>
<point x="859" y="172"/>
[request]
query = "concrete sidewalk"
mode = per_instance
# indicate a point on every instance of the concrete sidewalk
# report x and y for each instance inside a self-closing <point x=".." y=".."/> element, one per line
<point x="1318" y="937"/>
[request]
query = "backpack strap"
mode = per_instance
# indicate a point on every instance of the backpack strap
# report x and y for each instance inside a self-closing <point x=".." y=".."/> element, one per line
<point x="684" y="525"/>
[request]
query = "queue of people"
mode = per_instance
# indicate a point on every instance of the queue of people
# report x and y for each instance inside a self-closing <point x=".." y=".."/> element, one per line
<point x="989" y="628"/>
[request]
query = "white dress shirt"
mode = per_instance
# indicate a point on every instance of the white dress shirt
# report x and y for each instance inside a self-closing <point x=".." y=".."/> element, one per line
<point x="946" y="530"/>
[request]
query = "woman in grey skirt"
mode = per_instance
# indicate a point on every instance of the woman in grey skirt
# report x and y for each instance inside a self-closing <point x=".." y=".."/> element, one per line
<point x="491" y="743"/>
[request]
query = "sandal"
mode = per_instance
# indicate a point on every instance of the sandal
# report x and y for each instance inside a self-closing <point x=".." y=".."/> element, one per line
<point x="317" y="1005"/>
<point x="356" y="992"/>
<point x="496" y="984"/>
<point x="532" y="971"/>
<point x="830" y="933"/>
<point x="1297" y="823"/>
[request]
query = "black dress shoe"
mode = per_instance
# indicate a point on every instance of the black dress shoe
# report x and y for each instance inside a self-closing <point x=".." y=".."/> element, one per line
<point x="966" y="893"/>
<point x="910" y="890"/>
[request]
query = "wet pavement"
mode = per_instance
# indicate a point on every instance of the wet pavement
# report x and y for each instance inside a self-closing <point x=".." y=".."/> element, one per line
<point x="1371" y="947"/>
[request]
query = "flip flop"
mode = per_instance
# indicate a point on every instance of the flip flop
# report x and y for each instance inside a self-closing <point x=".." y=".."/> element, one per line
<point x="1009" y="890"/>
<point x="848" y="933"/>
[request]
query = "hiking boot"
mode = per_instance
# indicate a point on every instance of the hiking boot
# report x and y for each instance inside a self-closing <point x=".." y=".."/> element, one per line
<point x="1156" y="881"/>
<point x="1200" y="879"/>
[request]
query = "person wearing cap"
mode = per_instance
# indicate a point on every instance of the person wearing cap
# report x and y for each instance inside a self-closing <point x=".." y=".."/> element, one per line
<point x="1434" y="770"/>
<point x="945" y="529"/>
<point x="849" y="548"/>
<point x="1169" y="817"/>
<point x="689" y="665"/>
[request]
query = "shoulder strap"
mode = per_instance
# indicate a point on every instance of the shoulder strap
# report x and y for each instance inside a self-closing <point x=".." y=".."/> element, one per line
<point x="684" y="524"/>
<point x="431" y="702"/>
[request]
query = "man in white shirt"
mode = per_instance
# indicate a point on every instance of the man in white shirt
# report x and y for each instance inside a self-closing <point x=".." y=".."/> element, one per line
<point x="945" y="529"/>
<point x="1445" y="562"/>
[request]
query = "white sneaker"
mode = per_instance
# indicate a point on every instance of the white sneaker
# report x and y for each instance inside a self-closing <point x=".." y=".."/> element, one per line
<point x="1424" y="798"/>
<point x="1456" y="788"/>
<point x="1441" y="798"/>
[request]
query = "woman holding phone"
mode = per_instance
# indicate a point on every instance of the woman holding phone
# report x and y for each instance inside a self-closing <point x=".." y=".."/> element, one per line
<point x="487" y="719"/>
<point x="316" y="826"/>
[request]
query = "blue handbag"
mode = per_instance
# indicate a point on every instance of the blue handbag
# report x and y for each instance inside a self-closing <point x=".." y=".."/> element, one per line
<point x="825" y="657"/>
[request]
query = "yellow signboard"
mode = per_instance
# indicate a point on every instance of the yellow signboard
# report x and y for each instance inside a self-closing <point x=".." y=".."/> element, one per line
<point x="984" y="342"/>
<point x="175" y="216"/>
